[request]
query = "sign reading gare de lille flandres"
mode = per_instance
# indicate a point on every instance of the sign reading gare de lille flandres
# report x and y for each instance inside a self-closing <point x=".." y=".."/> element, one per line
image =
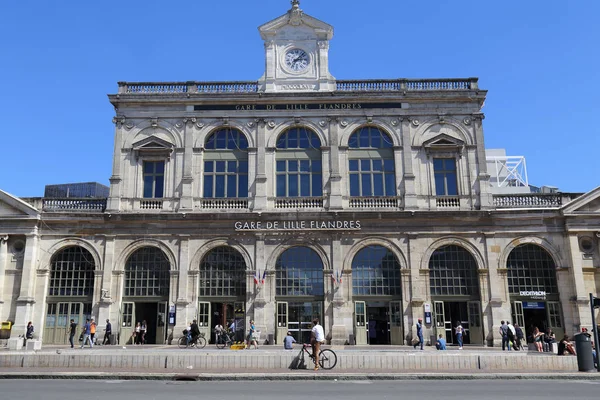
<point x="311" y="225"/>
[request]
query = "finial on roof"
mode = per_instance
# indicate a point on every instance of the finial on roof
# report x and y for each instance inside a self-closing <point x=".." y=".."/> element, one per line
<point x="295" y="13"/>
<point x="295" y="4"/>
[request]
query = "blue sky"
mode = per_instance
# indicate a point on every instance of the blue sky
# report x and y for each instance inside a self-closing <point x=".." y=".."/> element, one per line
<point x="540" y="61"/>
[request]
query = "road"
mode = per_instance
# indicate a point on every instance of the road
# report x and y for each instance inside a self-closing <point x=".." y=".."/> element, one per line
<point x="340" y="390"/>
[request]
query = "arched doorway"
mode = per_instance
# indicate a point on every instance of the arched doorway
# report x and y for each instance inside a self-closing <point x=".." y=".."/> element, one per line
<point x="533" y="290"/>
<point x="454" y="290"/>
<point x="222" y="291"/>
<point x="377" y="295"/>
<point x="70" y="292"/>
<point x="146" y="295"/>
<point x="299" y="292"/>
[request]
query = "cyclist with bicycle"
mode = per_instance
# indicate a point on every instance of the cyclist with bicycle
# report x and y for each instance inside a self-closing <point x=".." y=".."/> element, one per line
<point x="194" y="332"/>
<point x="317" y="336"/>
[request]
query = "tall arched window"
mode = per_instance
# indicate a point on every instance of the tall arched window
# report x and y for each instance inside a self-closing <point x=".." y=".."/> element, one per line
<point x="299" y="272"/>
<point x="298" y="159"/>
<point x="222" y="273"/>
<point x="226" y="164"/>
<point x="147" y="273"/>
<point x="531" y="268"/>
<point x="376" y="272"/>
<point x="371" y="163"/>
<point x="453" y="272"/>
<point x="72" y="273"/>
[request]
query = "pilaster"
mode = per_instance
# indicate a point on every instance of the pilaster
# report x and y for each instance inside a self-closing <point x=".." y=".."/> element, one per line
<point x="26" y="300"/>
<point x="409" y="190"/>
<point x="335" y="179"/>
<point x="486" y="200"/>
<point x="187" y="197"/>
<point x="3" y="262"/>
<point x="260" y="183"/>
<point x="114" y="198"/>
<point x="581" y="316"/>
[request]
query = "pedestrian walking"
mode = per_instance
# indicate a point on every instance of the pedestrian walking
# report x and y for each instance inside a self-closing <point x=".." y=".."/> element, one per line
<point x="143" y="330"/>
<point x="317" y="336"/>
<point x="459" y="330"/>
<point x="28" y="333"/>
<point x="519" y="336"/>
<point x="72" y="332"/>
<point x="504" y="334"/>
<point x="87" y="334"/>
<point x="93" y="329"/>
<point x="251" y="338"/>
<point x="419" y="334"/>
<point x="107" y="333"/>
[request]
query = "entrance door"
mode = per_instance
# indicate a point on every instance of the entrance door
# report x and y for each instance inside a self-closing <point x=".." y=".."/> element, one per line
<point x="440" y="320"/>
<point x="395" y="321"/>
<point x="300" y="316"/>
<point x="203" y="318"/>
<point x="555" y="319"/>
<point x="127" y="324"/>
<point x="161" y="323"/>
<point x="475" y="328"/>
<point x="58" y="321"/>
<point x="360" y="322"/>
<point x="282" y="321"/>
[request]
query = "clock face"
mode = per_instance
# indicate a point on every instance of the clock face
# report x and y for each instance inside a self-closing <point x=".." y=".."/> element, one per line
<point x="297" y="60"/>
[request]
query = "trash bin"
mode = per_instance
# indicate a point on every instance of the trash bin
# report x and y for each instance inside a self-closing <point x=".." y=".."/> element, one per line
<point x="270" y="339"/>
<point x="583" y="348"/>
<point x="5" y="328"/>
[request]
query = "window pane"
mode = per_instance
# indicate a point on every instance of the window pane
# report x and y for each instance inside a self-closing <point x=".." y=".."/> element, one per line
<point x="377" y="165"/>
<point x="390" y="184"/>
<point x="353" y="165"/>
<point x="281" y="186"/>
<point x="366" y="185"/>
<point x="303" y="144"/>
<point x="208" y="186"/>
<point x="220" y="186"/>
<point x="364" y="138"/>
<point x="315" y="143"/>
<point x="148" y="167"/>
<point x="148" y="186"/>
<point x="293" y="185"/>
<point x="304" y="166"/>
<point x="378" y="184"/>
<point x="353" y="141"/>
<point x="388" y="165"/>
<point x="243" y="186"/>
<point x="317" y="187"/>
<point x="305" y="185"/>
<point x="316" y="165"/>
<point x="440" y="189"/>
<point x="293" y="139"/>
<point x="221" y="142"/>
<point x="438" y="164"/>
<point x="292" y="165"/>
<point x="243" y="166"/>
<point x="376" y="140"/>
<point x="220" y="166"/>
<point x="158" y="188"/>
<point x="451" y="184"/>
<point x="280" y="166"/>
<point x="365" y="165"/>
<point x="208" y="166"/>
<point x="231" y="186"/>
<point x="159" y="167"/>
<point x="232" y="166"/>
<point x="354" y="185"/>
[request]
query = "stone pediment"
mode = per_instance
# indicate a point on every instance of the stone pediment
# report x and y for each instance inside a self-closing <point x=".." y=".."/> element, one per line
<point x="13" y="207"/>
<point x="153" y="146"/>
<point x="295" y="24"/>
<point x="585" y="204"/>
<point x="443" y="141"/>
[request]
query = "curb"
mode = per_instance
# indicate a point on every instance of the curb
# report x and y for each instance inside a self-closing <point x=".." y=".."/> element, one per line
<point x="223" y="377"/>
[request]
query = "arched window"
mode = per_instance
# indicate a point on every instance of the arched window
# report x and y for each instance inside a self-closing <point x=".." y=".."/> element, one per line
<point x="72" y="273"/>
<point x="376" y="272"/>
<point x="531" y="268"/>
<point x="298" y="159"/>
<point x="453" y="272"/>
<point x="222" y="273"/>
<point x="299" y="272"/>
<point x="226" y="164"/>
<point x="147" y="273"/>
<point x="371" y="163"/>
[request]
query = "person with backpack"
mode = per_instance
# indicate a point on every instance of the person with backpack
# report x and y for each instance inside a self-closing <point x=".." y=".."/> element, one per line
<point x="512" y="334"/>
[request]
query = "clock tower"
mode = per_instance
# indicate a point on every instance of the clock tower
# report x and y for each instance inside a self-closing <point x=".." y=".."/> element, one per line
<point x="296" y="53"/>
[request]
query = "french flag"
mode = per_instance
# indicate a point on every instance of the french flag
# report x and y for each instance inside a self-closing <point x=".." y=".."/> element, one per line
<point x="339" y="277"/>
<point x="255" y="278"/>
<point x="262" y="281"/>
<point x="333" y="279"/>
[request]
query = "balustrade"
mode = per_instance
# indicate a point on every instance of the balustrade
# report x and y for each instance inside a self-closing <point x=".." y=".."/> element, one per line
<point x="374" y="202"/>
<point x="73" y="204"/>
<point x="224" y="204"/>
<point x="529" y="200"/>
<point x="151" y="204"/>
<point x="447" y="202"/>
<point x="299" y="202"/>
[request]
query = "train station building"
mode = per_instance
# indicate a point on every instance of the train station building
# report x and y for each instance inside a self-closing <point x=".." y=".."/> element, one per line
<point x="367" y="203"/>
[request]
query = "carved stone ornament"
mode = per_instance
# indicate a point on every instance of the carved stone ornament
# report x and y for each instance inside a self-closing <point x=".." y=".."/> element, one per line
<point x="199" y="125"/>
<point x="415" y="122"/>
<point x="269" y="44"/>
<point x="250" y="124"/>
<point x="296" y="13"/>
<point x="119" y="119"/>
<point x="344" y="123"/>
<point x="179" y="125"/>
<point x="394" y="122"/>
<point x="271" y="124"/>
<point x="323" y="44"/>
<point x="129" y="126"/>
<point x="467" y="121"/>
<point x="322" y="123"/>
<point x="154" y="122"/>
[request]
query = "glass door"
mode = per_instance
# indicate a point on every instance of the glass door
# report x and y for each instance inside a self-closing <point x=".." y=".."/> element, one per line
<point x="203" y="318"/>
<point x="395" y="322"/>
<point x="475" y="327"/>
<point x="440" y="320"/>
<point x="282" y="321"/>
<point x="127" y="325"/>
<point x="360" y="322"/>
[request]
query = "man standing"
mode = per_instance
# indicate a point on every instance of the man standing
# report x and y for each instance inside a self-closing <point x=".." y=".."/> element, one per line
<point x="194" y="330"/>
<point x="504" y="334"/>
<point x="72" y="332"/>
<point x="419" y="334"/>
<point x="92" y="330"/>
<point x="87" y="334"/>
<point x="317" y="336"/>
<point x="107" y="333"/>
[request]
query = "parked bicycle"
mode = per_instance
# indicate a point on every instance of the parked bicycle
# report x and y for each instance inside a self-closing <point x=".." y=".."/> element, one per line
<point x="327" y="357"/>
<point x="224" y="339"/>
<point x="197" y="342"/>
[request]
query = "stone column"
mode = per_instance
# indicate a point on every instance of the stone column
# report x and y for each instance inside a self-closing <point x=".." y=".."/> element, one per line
<point x="486" y="312"/>
<point x="409" y="191"/>
<point x="26" y="300"/>
<point x="341" y="324"/>
<point x="499" y="299"/>
<point x="407" y="305"/>
<point x="335" y="179"/>
<point x="260" y="182"/>
<point x="114" y="197"/>
<point x="187" y="197"/>
<point x="486" y="200"/>
<point x="184" y="268"/>
<point x="3" y="262"/>
<point x="576" y="289"/>
<point x="263" y="303"/>
<point x="106" y="300"/>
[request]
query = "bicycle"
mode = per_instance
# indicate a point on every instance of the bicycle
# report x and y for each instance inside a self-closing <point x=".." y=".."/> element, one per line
<point x="197" y="342"/>
<point x="327" y="357"/>
<point x="224" y="339"/>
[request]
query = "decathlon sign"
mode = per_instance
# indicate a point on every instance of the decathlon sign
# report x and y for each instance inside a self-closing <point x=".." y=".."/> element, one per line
<point x="310" y="225"/>
<point x="534" y="294"/>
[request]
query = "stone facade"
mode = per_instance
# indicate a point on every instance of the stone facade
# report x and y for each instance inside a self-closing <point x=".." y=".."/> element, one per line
<point x="170" y="126"/>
